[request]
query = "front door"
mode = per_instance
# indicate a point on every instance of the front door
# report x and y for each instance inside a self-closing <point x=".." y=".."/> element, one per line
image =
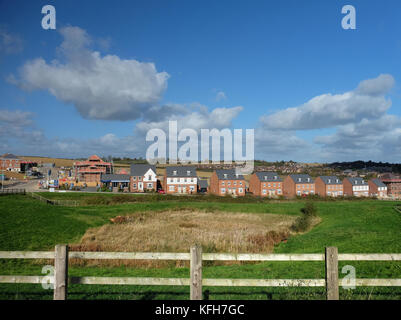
<point x="140" y="186"/>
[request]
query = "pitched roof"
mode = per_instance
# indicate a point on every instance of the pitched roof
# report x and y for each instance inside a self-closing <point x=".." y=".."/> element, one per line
<point x="94" y="158"/>
<point x="268" y="176"/>
<point x="228" y="174"/>
<point x="331" y="180"/>
<point x="181" y="171"/>
<point x="378" y="183"/>
<point x="9" y="156"/>
<point x="357" y="181"/>
<point x="301" y="178"/>
<point x="138" y="169"/>
<point x="202" y="183"/>
<point x="115" y="177"/>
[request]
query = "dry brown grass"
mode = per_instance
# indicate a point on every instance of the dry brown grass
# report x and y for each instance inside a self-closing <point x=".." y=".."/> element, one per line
<point x="176" y="231"/>
<point x="59" y="162"/>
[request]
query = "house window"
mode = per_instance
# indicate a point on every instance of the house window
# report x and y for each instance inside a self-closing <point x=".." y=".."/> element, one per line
<point x="134" y="185"/>
<point x="229" y="183"/>
<point x="171" y="188"/>
<point x="264" y="191"/>
<point x="235" y="183"/>
<point x="240" y="190"/>
<point x="150" y="185"/>
<point x="139" y="178"/>
<point x="134" y="178"/>
<point x="223" y="190"/>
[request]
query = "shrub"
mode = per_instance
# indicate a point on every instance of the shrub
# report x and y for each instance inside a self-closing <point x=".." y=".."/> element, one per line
<point x="303" y="223"/>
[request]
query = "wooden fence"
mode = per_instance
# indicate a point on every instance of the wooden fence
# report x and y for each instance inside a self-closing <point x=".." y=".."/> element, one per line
<point x="12" y="191"/>
<point x="67" y="203"/>
<point x="61" y="255"/>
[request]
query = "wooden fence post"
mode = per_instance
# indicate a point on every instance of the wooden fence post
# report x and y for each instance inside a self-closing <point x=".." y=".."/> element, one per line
<point x="196" y="273"/>
<point x="60" y="272"/>
<point x="332" y="273"/>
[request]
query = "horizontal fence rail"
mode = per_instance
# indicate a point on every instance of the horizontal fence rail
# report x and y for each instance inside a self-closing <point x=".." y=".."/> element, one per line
<point x="61" y="280"/>
<point x="12" y="191"/>
<point x="67" y="203"/>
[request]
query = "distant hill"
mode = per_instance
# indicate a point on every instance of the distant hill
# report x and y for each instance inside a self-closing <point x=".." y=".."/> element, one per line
<point x="368" y="165"/>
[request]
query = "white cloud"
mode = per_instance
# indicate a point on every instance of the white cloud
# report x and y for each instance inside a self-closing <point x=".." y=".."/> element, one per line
<point x="376" y="139"/>
<point x="328" y="110"/>
<point x="17" y="125"/>
<point x="221" y="96"/>
<point x="21" y="136"/>
<point x="100" y="87"/>
<point x="193" y="116"/>
<point x="10" y="43"/>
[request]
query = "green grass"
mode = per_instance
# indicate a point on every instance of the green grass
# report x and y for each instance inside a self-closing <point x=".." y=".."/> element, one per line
<point x="368" y="226"/>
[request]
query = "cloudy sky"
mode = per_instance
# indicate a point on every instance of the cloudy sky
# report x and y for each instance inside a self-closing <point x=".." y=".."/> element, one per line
<point x="112" y="70"/>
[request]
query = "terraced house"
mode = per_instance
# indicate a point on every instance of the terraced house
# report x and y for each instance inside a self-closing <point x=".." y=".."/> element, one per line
<point x="180" y="179"/>
<point x="298" y="185"/>
<point x="330" y="186"/>
<point x="227" y="182"/>
<point x="377" y="188"/>
<point x="356" y="187"/>
<point x="393" y="184"/>
<point x="266" y="184"/>
<point x="143" y="178"/>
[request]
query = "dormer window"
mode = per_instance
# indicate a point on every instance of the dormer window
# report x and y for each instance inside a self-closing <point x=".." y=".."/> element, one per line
<point x="265" y="177"/>
<point x="225" y="176"/>
<point x="329" y="180"/>
<point x="236" y="175"/>
<point x="337" y="180"/>
<point x="308" y="179"/>
<point x="275" y="177"/>
<point x="299" y="179"/>
<point x="174" y="173"/>
<point x="188" y="173"/>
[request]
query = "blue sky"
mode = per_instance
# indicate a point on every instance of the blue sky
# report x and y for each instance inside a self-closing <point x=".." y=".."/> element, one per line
<point x="264" y="56"/>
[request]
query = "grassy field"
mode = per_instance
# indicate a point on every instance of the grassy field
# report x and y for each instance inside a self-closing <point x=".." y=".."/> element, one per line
<point x="368" y="226"/>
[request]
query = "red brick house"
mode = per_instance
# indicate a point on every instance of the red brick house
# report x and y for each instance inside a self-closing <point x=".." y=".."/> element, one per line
<point x="298" y="185"/>
<point x="10" y="162"/>
<point x="393" y="184"/>
<point x="377" y="188"/>
<point x="90" y="171"/>
<point x="356" y="187"/>
<point x="227" y="182"/>
<point x="330" y="186"/>
<point x="143" y="177"/>
<point x="180" y="179"/>
<point x="266" y="184"/>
